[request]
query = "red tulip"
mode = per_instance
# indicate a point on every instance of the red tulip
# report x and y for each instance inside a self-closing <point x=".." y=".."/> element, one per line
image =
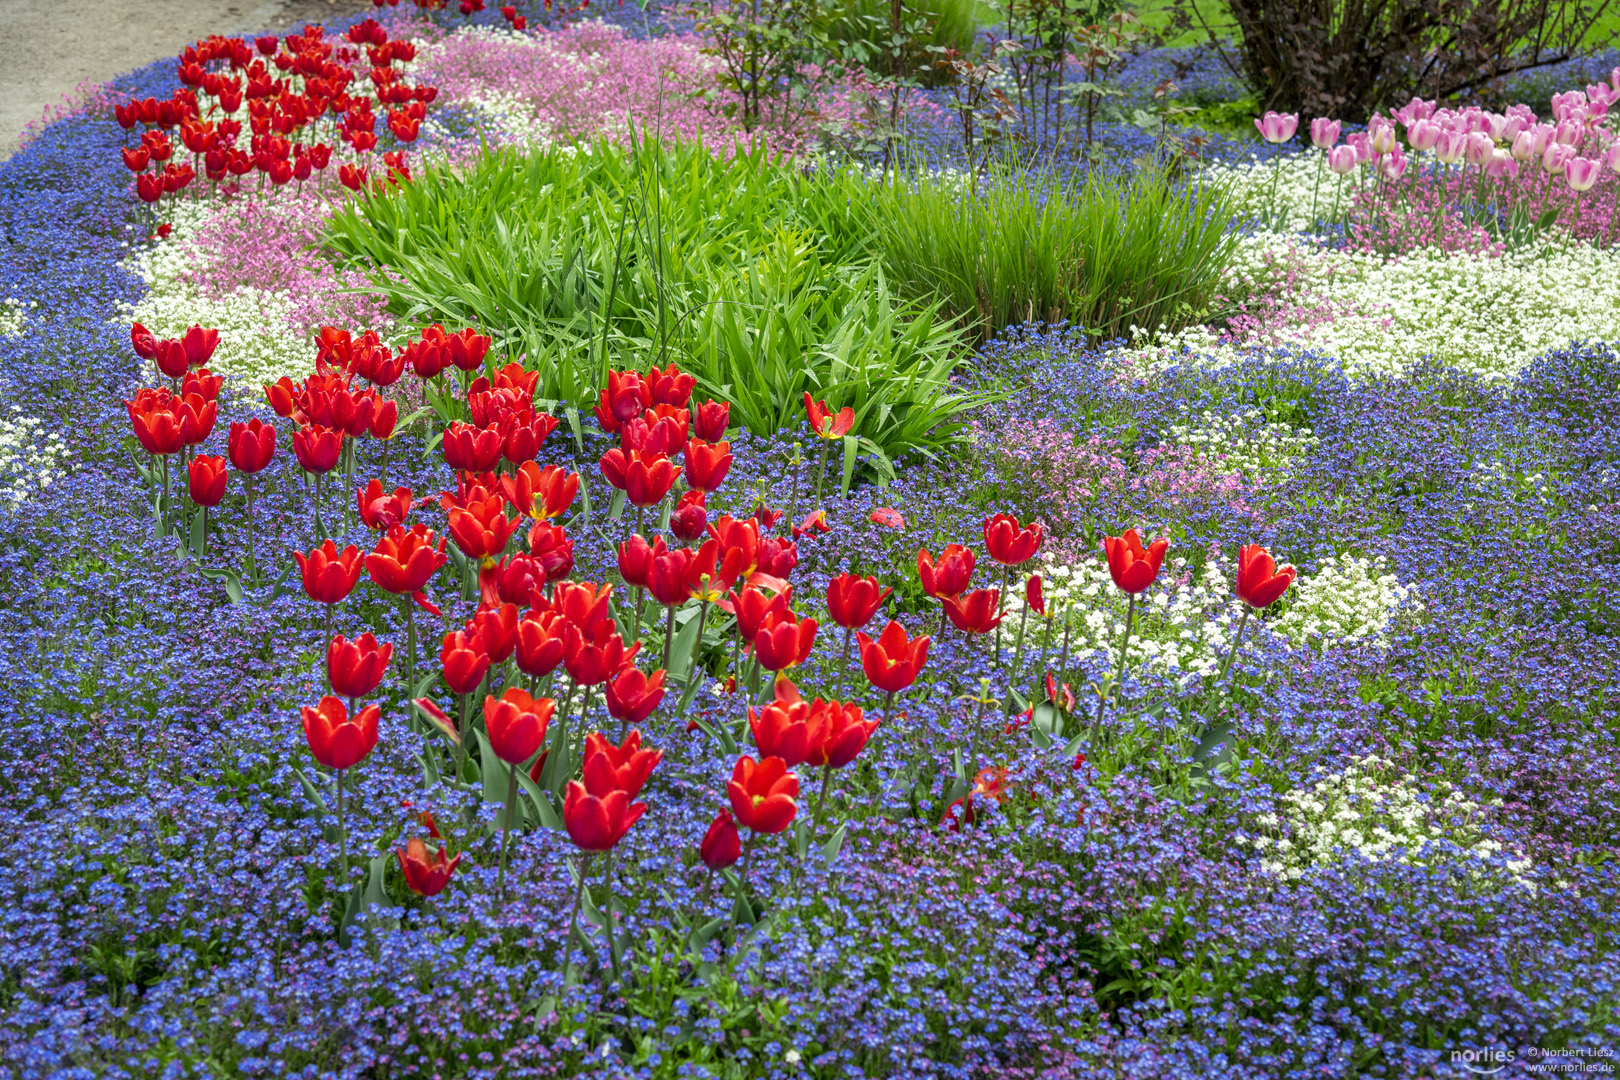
<point x="949" y="575"/>
<point x="203" y="383"/>
<point x="666" y="576"/>
<point x="1033" y="596"/>
<point x="740" y="536"/>
<point x="887" y="517"/>
<point x="424" y="875"/>
<point x="470" y="449"/>
<point x="762" y="795"/>
<point x="317" y="448"/>
<point x="721" y="846"/>
<point x="354" y="668"/>
<point x="384" y="418"/>
<point x="337" y="740"/>
<point x="636" y="557"/>
<point x="207" y="480"/>
<point x="620" y="401"/>
<point x="782" y="728"/>
<point x="710" y="420"/>
<point x="1260" y="581"/>
<point x="540" y="493"/>
<point x="482" y="530"/>
<point x="402" y="562"/>
<point x="1132" y="566"/>
<point x="552" y="549"/>
<point x="651" y="435"/>
<point x="596" y="814"/>
<point x="852" y="600"/>
<point x="625" y="767"/>
<point x="1008" y="542"/>
<point x="467" y="349"/>
<point x="892" y="662"/>
<point x="595" y="657"/>
<point x="516" y="724"/>
<point x="838" y="733"/>
<point x="690" y="518"/>
<point x="143" y="341"/>
<point x="199" y="345"/>
<point x="464" y="660"/>
<point x="979" y="612"/>
<point x="644" y="478"/>
<point x="777" y="557"/>
<point x="753" y="606"/>
<point x="707" y="464"/>
<point x="784" y="641"/>
<point x="497" y="627"/>
<point x="380" y="510"/>
<point x="671" y="387"/>
<point x="137" y="159"/>
<point x="632" y="696"/>
<point x="517" y="580"/>
<point x="582" y="603"/>
<point x="158" y="421"/>
<point x="708" y="576"/>
<point x="823" y="422"/>
<point x="252" y="445"/>
<point x="539" y="642"/>
<point x="329" y="576"/>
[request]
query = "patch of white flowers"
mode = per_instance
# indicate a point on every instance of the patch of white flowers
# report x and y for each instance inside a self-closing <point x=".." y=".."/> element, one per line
<point x="1488" y="314"/>
<point x="1186" y="622"/>
<point x="1245" y="443"/>
<point x="1282" y="190"/>
<point x="256" y="341"/>
<point x="1349" y="600"/>
<point x="31" y="456"/>
<point x="1383" y="814"/>
<point x="11" y="318"/>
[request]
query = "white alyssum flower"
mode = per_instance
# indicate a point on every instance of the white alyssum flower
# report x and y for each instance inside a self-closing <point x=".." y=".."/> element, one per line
<point x="1349" y="599"/>
<point x="31" y="456"/>
<point x="1383" y="814"/>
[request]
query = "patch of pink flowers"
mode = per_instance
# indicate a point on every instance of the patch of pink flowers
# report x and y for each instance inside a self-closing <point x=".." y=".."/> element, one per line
<point x="269" y="242"/>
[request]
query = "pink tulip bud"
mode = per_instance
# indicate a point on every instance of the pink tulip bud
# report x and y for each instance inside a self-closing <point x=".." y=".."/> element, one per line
<point x="1581" y="173"/>
<point x="1324" y="132"/>
<point x="1555" y="158"/>
<point x="1524" y="146"/>
<point x="1451" y="146"/>
<point x="1277" y="127"/>
<point x="1502" y="166"/>
<point x="1342" y="159"/>
<point x="1423" y="135"/>
<point x="1479" y="149"/>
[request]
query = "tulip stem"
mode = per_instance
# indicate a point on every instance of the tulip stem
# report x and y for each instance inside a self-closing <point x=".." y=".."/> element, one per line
<point x="203" y="554"/>
<point x="252" y="562"/>
<point x="821" y="799"/>
<point x="669" y="635"/>
<point x="328" y="643"/>
<point x="506" y="834"/>
<point x="461" y="743"/>
<point x="343" y="831"/>
<point x="163" y="503"/>
<point x="821" y="472"/>
<point x="697" y="641"/>
<point x="387" y="445"/>
<point x="1018" y="657"/>
<point x="843" y="663"/>
<point x="573" y="923"/>
<point x="607" y="908"/>
<point x="319" y="528"/>
<point x="1243" y="623"/>
<point x="410" y="637"/>
<point x="1001" y="607"/>
<point x="1119" y="675"/>
<point x="888" y="709"/>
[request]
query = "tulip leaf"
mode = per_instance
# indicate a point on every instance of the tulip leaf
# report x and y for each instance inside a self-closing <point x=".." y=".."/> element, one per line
<point x="851" y="447"/>
<point x="376" y="892"/>
<point x="544" y="811"/>
<point x="416" y="414"/>
<point x="616" y="507"/>
<point x="835" y="843"/>
<point x="680" y="654"/>
<point x="1216" y="744"/>
<point x="571" y="414"/>
<point x="494" y="773"/>
<point x="311" y="792"/>
<point x="281" y="582"/>
<point x="1074" y="745"/>
<point x="430" y="771"/>
<point x="1040" y="738"/>
<point x="801" y="837"/>
<point x="233" y="584"/>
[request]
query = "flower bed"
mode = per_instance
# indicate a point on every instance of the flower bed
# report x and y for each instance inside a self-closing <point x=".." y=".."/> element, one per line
<point x="630" y="740"/>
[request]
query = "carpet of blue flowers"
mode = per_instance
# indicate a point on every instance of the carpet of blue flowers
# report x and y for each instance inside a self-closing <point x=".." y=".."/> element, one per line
<point x="1414" y="849"/>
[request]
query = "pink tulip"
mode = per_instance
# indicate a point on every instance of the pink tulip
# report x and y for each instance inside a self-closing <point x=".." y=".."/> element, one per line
<point x="1581" y="173"/>
<point x="1524" y="146"/>
<point x="1424" y="134"/>
<point x="1569" y="132"/>
<point x="1393" y="165"/>
<point x="1277" y="127"/>
<point x="1342" y="159"/>
<point x="1324" y="132"/>
<point x="1382" y="133"/>
<point x="1611" y="157"/>
<point x="1451" y="147"/>
<point x="1556" y="157"/>
<point x="1479" y="149"/>
<point x="1502" y="166"/>
<point x="1543" y="137"/>
<point x="1362" y="143"/>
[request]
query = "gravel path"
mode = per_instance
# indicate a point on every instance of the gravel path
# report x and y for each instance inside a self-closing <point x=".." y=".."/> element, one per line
<point x="48" y="47"/>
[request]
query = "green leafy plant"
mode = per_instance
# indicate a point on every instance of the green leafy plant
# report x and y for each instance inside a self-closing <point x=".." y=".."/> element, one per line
<point x="575" y="261"/>
<point x="1105" y="253"/>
